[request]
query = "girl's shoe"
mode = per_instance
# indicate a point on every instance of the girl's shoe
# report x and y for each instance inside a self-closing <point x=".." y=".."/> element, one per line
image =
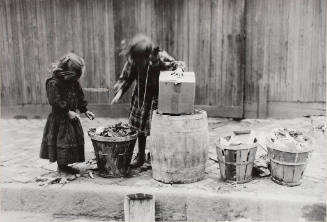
<point x="138" y="160"/>
<point x="67" y="169"/>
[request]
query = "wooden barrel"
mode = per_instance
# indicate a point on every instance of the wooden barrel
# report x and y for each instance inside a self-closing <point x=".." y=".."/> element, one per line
<point x="236" y="162"/>
<point x="287" y="168"/>
<point x="113" y="154"/>
<point x="179" y="147"/>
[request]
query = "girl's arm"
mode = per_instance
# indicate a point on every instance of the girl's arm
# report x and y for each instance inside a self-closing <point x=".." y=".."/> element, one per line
<point x="54" y="97"/>
<point x="125" y="80"/>
<point x="81" y="102"/>
<point x="169" y="63"/>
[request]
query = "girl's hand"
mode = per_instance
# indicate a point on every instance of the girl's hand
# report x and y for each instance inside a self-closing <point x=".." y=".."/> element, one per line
<point x="117" y="97"/>
<point x="73" y="115"/>
<point x="178" y="72"/>
<point x="90" y="115"/>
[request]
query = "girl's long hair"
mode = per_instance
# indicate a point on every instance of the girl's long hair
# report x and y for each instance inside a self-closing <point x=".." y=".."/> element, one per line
<point x="140" y="46"/>
<point x="70" y="66"/>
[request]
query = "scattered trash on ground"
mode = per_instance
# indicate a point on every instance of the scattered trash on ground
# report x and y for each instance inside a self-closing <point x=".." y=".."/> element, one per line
<point x="321" y="127"/>
<point x="261" y="167"/>
<point x="46" y="181"/>
<point x="61" y="178"/>
<point x="91" y="174"/>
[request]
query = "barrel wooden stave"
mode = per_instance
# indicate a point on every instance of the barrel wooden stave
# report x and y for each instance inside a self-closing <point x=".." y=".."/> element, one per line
<point x="179" y="147"/>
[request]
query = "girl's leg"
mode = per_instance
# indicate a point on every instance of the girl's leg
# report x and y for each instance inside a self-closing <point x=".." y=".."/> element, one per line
<point x="62" y="167"/>
<point x="140" y="158"/>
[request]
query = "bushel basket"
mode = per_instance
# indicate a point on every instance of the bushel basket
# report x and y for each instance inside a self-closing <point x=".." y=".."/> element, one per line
<point x="113" y="154"/>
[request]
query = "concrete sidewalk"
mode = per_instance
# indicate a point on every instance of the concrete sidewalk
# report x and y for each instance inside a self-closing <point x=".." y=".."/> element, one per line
<point x="209" y="199"/>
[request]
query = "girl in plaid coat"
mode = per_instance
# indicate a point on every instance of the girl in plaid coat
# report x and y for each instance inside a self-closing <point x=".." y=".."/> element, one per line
<point x="143" y="65"/>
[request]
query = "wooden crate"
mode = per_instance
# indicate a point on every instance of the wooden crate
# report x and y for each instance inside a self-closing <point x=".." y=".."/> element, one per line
<point x="176" y="95"/>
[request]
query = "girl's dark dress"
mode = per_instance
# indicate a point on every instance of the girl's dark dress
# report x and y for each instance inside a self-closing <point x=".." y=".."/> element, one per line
<point x="63" y="138"/>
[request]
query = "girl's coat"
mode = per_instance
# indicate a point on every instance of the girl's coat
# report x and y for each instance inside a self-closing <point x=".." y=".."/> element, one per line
<point x="145" y="95"/>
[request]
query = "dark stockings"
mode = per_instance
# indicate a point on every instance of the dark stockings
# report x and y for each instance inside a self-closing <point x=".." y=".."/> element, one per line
<point x="142" y="144"/>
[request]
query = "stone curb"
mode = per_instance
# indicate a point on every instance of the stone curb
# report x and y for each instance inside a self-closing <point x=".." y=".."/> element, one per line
<point x="172" y="204"/>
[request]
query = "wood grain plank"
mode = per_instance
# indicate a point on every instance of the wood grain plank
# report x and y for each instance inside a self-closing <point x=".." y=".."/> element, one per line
<point x="204" y="51"/>
<point x="4" y="63"/>
<point x="214" y="53"/>
<point x="18" y="75"/>
<point x="42" y="56"/>
<point x="14" y="63"/>
<point x="37" y="88"/>
<point x="322" y="95"/>
<point x="224" y="53"/>
<point x="110" y="45"/>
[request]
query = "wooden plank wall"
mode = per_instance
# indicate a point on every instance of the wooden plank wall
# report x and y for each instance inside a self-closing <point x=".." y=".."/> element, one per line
<point x="283" y="62"/>
<point x="35" y="33"/>
<point x="207" y="35"/>
<point x="285" y="57"/>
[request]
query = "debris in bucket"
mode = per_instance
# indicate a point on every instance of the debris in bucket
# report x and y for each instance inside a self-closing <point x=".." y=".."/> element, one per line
<point x="289" y="140"/>
<point x="239" y="137"/>
<point x="118" y="130"/>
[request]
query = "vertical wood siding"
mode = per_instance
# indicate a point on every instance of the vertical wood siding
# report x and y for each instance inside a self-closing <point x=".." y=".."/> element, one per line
<point x="284" y="58"/>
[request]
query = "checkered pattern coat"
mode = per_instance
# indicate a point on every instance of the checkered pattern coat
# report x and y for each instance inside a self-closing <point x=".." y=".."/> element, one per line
<point x="145" y="95"/>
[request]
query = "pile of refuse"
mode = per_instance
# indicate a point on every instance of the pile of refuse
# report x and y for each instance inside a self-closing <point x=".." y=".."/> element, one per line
<point x="289" y="140"/>
<point x="283" y="139"/>
<point x="238" y="138"/>
<point x="118" y="130"/>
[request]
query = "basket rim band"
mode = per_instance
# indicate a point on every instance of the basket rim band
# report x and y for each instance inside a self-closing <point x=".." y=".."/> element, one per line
<point x="237" y="147"/>
<point x="237" y="163"/>
<point x="286" y="163"/>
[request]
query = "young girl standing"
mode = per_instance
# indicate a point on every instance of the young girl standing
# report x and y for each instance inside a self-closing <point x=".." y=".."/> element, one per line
<point x="63" y="137"/>
<point x="143" y="65"/>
